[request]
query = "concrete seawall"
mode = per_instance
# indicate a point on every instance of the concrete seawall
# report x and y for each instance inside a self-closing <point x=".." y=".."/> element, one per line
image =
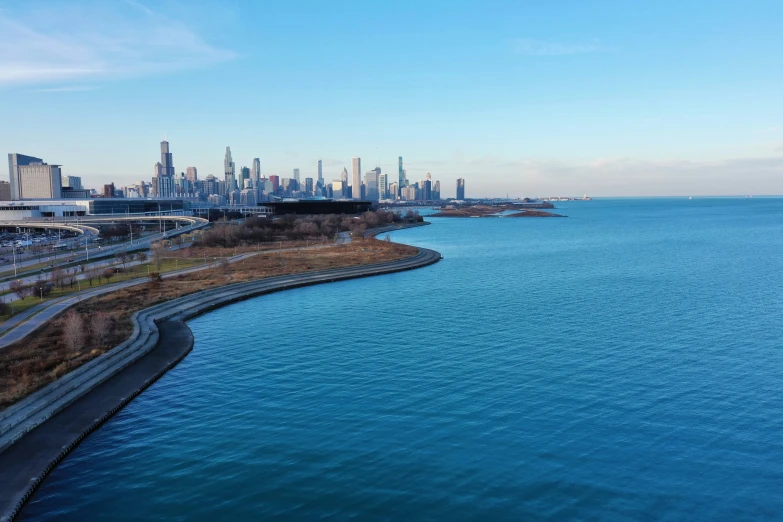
<point x="32" y="434"/>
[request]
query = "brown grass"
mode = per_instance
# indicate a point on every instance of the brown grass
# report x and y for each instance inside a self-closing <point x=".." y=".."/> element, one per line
<point x="42" y="356"/>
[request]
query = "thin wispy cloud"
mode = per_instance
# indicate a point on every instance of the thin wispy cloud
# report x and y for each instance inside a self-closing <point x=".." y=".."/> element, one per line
<point x="532" y="47"/>
<point x="68" y="88"/>
<point x="97" y="42"/>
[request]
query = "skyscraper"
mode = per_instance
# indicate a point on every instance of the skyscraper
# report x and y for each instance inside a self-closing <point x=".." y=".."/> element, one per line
<point x="371" y="184"/>
<point x="191" y="174"/>
<point x="256" y="172"/>
<point x="164" y="172"/>
<point x="244" y="178"/>
<point x="320" y="178"/>
<point x="166" y="159"/>
<point x="383" y="186"/>
<point x="356" y="186"/>
<point x="229" y="170"/>
<point x="401" y="176"/>
<point x="296" y="176"/>
<point x="460" y="188"/>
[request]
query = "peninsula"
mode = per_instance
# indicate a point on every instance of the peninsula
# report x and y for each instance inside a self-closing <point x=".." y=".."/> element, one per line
<point x="495" y="211"/>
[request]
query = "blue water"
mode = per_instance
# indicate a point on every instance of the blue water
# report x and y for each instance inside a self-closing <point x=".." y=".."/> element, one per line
<point x="624" y="363"/>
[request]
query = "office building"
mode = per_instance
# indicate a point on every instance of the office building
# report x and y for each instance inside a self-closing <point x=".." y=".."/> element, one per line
<point x="255" y="172"/>
<point x="394" y="192"/>
<point x="191" y="174"/>
<point x="401" y="176"/>
<point x="436" y="191"/>
<point x="31" y="177"/>
<point x="39" y="181"/>
<point x="247" y="197"/>
<point x="244" y="178"/>
<point x="73" y="182"/>
<point x="426" y="189"/>
<point x="371" y="182"/>
<point x="5" y="191"/>
<point x="211" y="185"/>
<point x="309" y="187"/>
<point x="229" y="170"/>
<point x="320" y="177"/>
<point x="337" y="189"/>
<point x="275" y="180"/>
<point x="164" y="172"/>
<point x="108" y="190"/>
<point x="356" y="185"/>
<point x="383" y="186"/>
<point x="166" y="159"/>
<point x="296" y="175"/>
<point x="461" y="188"/>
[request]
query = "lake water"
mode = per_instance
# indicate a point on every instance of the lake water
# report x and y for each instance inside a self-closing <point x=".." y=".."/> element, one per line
<point x="623" y="363"/>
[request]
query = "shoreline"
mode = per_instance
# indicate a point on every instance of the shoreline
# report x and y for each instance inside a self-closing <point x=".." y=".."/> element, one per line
<point x="37" y="416"/>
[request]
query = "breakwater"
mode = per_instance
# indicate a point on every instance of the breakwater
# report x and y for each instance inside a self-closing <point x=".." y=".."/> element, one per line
<point x="33" y="416"/>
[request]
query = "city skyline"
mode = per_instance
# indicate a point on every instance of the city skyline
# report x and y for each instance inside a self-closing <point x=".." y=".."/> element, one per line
<point x="559" y="98"/>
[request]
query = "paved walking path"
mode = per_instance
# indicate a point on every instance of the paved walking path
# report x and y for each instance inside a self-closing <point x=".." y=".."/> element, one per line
<point x="26" y="462"/>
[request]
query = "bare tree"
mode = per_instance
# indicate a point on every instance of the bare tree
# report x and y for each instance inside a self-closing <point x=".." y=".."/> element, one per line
<point x="21" y="290"/>
<point x="158" y="251"/>
<point x="101" y="325"/>
<point x="141" y="257"/>
<point x="57" y="276"/>
<point x="108" y="274"/>
<point x="93" y="273"/>
<point x="73" y="331"/>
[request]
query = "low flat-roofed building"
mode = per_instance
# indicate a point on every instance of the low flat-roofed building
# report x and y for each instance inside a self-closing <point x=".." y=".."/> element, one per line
<point x="64" y="208"/>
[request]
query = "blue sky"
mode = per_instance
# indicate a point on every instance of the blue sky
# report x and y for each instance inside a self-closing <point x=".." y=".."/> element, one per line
<point x="519" y="97"/>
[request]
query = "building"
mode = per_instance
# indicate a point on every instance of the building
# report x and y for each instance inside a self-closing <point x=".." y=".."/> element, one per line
<point x="191" y="174"/>
<point x="400" y="176"/>
<point x="337" y="189"/>
<point x="255" y="172"/>
<point x="371" y="182"/>
<point x="426" y="189"/>
<point x="229" y="170"/>
<point x="408" y="193"/>
<point x="31" y="177"/>
<point x="461" y="188"/>
<point x="74" y="182"/>
<point x="275" y="180"/>
<point x="320" y="178"/>
<point x="317" y="206"/>
<point x="247" y="197"/>
<point x="356" y="185"/>
<point x="47" y="208"/>
<point x="309" y="187"/>
<point x="166" y="159"/>
<point x="436" y="191"/>
<point x="394" y="192"/>
<point x="296" y="176"/>
<point x="108" y="190"/>
<point x="383" y="186"/>
<point x="244" y="178"/>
